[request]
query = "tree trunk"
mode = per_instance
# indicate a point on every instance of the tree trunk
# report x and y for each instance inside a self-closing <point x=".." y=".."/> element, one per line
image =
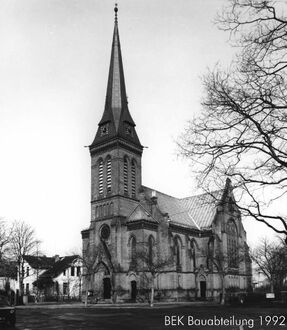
<point x="223" y="292"/>
<point x="113" y="291"/>
<point x="152" y="293"/>
<point x="271" y="286"/>
<point x="86" y="298"/>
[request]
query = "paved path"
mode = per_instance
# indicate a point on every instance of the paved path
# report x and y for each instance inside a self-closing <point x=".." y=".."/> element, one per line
<point x="65" y="317"/>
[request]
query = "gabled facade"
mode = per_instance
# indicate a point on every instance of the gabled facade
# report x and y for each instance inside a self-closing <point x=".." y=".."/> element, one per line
<point x="127" y="216"/>
<point x="52" y="277"/>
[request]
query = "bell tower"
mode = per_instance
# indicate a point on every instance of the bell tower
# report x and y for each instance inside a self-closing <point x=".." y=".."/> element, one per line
<point x="116" y="150"/>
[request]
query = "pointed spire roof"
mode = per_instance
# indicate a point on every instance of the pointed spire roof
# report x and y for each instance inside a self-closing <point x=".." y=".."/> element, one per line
<point x="116" y="121"/>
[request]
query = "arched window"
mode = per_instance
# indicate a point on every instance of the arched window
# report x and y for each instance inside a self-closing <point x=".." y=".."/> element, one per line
<point x="177" y="252"/>
<point x="101" y="177"/>
<point x="126" y="176"/>
<point x="111" y="208"/>
<point x="133" y="244"/>
<point x="232" y="244"/>
<point x="192" y="254"/>
<point x="210" y="251"/>
<point x="109" y="174"/>
<point x="231" y="205"/>
<point x="133" y="172"/>
<point x="150" y="250"/>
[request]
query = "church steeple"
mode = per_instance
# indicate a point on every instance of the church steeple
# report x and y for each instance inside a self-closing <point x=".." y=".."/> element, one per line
<point x="116" y="122"/>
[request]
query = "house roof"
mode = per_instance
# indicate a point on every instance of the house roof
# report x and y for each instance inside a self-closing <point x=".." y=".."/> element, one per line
<point x="57" y="268"/>
<point x="39" y="262"/>
<point x="195" y="211"/>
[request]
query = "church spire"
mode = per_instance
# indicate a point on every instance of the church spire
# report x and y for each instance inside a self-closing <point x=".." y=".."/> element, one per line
<point x="116" y="120"/>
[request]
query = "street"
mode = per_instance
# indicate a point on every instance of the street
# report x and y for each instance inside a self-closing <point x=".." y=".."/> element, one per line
<point x="170" y="316"/>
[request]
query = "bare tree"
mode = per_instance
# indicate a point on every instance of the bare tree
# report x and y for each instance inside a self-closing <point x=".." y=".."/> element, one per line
<point x="271" y="259"/>
<point x="4" y="239"/>
<point x="149" y="263"/>
<point x="224" y="262"/>
<point x="242" y="130"/>
<point x="23" y="242"/>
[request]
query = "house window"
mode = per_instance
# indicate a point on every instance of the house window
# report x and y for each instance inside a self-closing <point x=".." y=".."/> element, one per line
<point x="109" y="175"/>
<point x="232" y="244"/>
<point x="126" y="180"/>
<point x="65" y="288"/>
<point x="72" y="271"/>
<point x="64" y="272"/>
<point x="78" y="271"/>
<point x="28" y="271"/>
<point x="27" y="288"/>
<point x="133" y="179"/>
<point x="101" y="177"/>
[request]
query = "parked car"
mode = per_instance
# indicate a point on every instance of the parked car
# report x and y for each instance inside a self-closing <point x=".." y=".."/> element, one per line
<point x="7" y="311"/>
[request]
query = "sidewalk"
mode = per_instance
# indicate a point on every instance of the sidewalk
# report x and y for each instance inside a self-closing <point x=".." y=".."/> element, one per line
<point x="53" y="305"/>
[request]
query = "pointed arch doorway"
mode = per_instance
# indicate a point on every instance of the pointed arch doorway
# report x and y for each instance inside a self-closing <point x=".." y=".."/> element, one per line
<point x="133" y="290"/>
<point x="107" y="287"/>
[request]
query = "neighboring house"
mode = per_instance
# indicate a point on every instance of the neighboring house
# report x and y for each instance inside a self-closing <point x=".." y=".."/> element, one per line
<point x="58" y="277"/>
<point x="33" y="267"/>
<point x="8" y="276"/>
<point x="126" y="215"/>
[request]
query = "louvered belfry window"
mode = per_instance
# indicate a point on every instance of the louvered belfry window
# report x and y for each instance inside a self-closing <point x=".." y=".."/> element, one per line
<point x="109" y="175"/>
<point x="126" y="177"/>
<point x="101" y="177"/>
<point x="133" y="179"/>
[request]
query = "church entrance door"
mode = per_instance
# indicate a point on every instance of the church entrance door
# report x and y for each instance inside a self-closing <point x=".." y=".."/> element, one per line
<point x="203" y="289"/>
<point x="107" y="288"/>
<point x="133" y="290"/>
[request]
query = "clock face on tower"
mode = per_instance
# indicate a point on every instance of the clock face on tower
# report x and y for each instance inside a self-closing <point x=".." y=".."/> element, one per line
<point x="104" y="129"/>
<point x="129" y="129"/>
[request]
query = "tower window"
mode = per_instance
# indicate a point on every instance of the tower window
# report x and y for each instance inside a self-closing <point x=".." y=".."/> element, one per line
<point x="133" y="179"/>
<point x="109" y="175"/>
<point x="126" y="181"/>
<point x="101" y="177"/>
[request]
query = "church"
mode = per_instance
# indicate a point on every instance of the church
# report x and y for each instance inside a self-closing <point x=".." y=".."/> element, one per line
<point x="140" y="238"/>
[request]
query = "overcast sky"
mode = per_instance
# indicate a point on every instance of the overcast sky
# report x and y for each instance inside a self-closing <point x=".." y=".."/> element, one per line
<point x="54" y="59"/>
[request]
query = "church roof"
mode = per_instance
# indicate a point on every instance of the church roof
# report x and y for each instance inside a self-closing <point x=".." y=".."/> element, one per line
<point x="195" y="211"/>
<point x="116" y="121"/>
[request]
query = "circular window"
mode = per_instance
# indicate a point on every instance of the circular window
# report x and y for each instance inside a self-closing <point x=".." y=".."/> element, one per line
<point x="105" y="232"/>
